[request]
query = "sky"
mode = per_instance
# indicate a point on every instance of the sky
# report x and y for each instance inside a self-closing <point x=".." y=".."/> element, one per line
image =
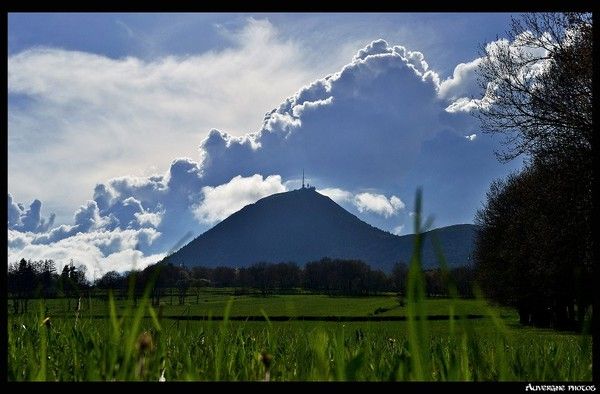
<point x="128" y="134"/>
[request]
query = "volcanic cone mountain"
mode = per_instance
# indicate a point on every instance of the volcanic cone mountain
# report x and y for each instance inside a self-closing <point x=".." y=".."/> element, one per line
<point x="303" y="225"/>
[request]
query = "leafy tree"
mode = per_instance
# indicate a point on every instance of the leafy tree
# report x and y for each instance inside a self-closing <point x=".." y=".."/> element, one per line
<point x="183" y="284"/>
<point x="22" y="281"/>
<point x="464" y="278"/>
<point x="110" y="280"/>
<point x="435" y="283"/>
<point x="530" y="253"/>
<point x="399" y="276"/>
<point x="223" y="276"/>
<point x="48" y="278"/>
<point x="196" y="285"/>
<point x="347" y="277"/>
<point x="534" y="244"/>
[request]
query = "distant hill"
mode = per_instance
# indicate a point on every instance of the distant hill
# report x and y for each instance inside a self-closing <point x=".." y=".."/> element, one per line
<point x="303" y="225"/>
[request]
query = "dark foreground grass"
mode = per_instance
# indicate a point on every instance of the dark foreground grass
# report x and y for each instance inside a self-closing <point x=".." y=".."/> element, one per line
<point x="135" y="348"/>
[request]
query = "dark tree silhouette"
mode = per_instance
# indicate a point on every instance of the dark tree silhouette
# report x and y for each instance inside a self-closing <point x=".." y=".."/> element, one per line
<point x="73" y="282"/>
<point x="223" y="276"/>
<point x="24" y="279"/>
<point x="539" y="86"/>
<point x="48" y="278"/>
<point x="111" y="280"/>
<point x="534" y="245"/>
<point x="345" y="277"/>
<point x="399" y="277"/>
<point x="531" y="250"/>
<point x="333" y="277"/>
<point x="183" y="284"/>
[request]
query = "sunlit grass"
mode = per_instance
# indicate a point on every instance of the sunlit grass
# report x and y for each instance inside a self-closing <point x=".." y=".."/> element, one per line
<point x="143" y="343"/>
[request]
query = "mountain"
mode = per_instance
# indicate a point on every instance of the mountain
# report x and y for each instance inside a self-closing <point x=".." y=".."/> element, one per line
<point x="303" y="225"/>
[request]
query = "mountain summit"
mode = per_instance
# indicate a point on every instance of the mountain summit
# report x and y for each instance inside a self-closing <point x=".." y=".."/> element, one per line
<point x="303" y="225"/>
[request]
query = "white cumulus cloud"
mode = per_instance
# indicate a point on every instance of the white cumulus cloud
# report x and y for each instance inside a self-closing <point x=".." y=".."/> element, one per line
<point x="378" y="203"/>
<point x="30" y="219"/>
<point x="463" y="82"/>
<point x="91" y="116"/>
<point x="337" y="195"/>
<point x="98" y="251"/>
<point x="398" y="229"/>
<point x="221" y="201"/>
<point x="385" y="101"/>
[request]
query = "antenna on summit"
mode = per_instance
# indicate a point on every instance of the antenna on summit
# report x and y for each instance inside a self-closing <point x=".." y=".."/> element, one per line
<point x="303" y="178"/>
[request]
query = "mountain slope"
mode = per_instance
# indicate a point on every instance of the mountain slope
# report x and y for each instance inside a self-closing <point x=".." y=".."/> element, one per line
<point x="303" y="225"/>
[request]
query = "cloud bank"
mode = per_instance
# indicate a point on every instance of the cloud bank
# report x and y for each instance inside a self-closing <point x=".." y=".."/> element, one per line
<point x="378" y="204"/>
<point x="367" y="136"/>
<point x="28" y="220"/>
<point x="221" y="201"/>
<point x="94" y="115"/>
<point x="380" y="106"/>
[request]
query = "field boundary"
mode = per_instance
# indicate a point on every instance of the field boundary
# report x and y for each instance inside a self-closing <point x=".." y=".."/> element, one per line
<point x="322" y="318"/>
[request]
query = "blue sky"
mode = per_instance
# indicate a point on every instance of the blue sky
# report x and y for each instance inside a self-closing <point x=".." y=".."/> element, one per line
<point x="148" y="35"/>
<point x="110" y="119"/>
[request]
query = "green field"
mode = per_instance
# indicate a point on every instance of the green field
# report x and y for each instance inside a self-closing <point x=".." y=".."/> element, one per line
<point x="209" y="339"/>
<point x="212" y="302"/>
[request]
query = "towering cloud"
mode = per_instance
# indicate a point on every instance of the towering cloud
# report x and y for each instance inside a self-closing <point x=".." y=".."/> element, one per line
<point x="366" y="135"/>
<point x="93" y="116"/>
<point x="221" y="201"/>
<point x="28" y="220"/>
<point x="359" y="127"/>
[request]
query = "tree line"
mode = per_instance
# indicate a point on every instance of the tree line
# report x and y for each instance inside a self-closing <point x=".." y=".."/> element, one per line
<point x="39" y="279"/>
<point x="534" y="249"/>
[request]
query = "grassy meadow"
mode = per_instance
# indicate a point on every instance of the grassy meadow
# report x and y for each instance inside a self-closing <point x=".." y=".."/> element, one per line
<point x="219" y="334"/>
<point x="210" y="337"/>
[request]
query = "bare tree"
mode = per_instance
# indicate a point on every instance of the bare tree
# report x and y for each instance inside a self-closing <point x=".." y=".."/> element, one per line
<point x="538" y="86"/>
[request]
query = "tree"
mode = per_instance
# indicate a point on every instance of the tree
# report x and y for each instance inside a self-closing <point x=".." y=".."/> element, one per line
<point x="538" y="86"/>
<point x="262" y="277"/>
<point x="77" y="276"/>
<point x="160" y="277"/>
<point x="399" y="276"/>
<point x="110" y="280"/>
<point x="183" y="284"/>
<point x="22" y="281"/>
<point x="436" y="283"/>
<point x="286" y="275"/>
<point x="223" y="276"/>
<point x="534" y="244"/>
<point x="464" y="278"/>
<point x="528" y="254"/>
<point x="65" y="283"/>
<point x="48" y="280"/>
<point x="346" y="277"/>
<point x="72" y="281"/>
<point x="197" y="285"/>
